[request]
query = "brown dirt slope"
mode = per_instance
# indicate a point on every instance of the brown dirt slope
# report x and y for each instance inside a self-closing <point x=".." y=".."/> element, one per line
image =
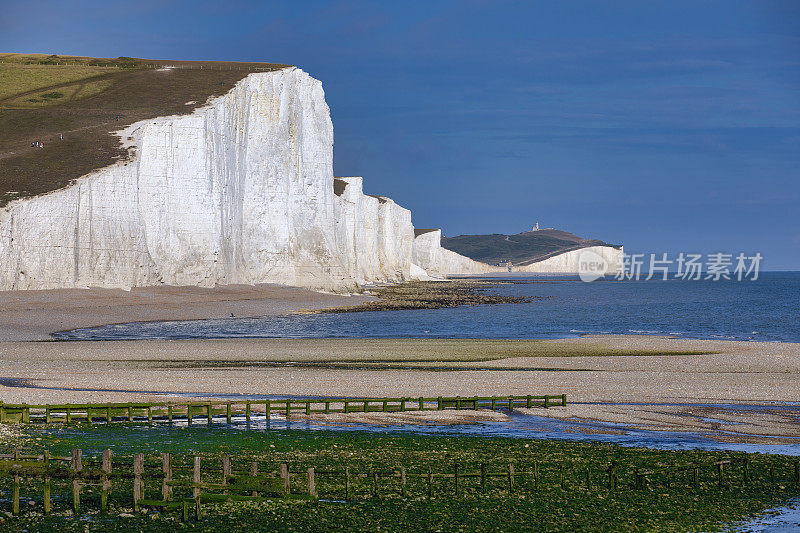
<point x="42" y="97"/>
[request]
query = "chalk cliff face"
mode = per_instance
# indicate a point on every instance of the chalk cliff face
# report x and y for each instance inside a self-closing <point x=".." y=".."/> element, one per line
<point x="376" y="234"/>
<point x="441" y="262"/>
<point x="240" y="191"/>
<point x="569" y="262"/>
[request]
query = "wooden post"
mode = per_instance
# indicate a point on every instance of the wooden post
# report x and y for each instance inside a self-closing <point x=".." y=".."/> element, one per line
<point x="247" y="411"/>
<point x="69" y="415"/>
<point x="47" y="418"/>
<point x="494" y="403"/>
<point x="254" y="473"/>
<point x="196" y="478"/>
<point x="346" y="406"/>
<point x="421" y="403"/>
<point x="403" y="481"/>
<point x="365" y="406"/>
<point x="226" y="471"/>
<point x="327" y="406"/>
<point x="312" y="486"/>
<point x="746" y="474"/>
<point x="510" y="477"/>
<point x="268" y="407"/>
<point x="385" y="402"/>
<point x="47" y="504"/>
<point x="439" y="405"/>
<point x="149" y="414"/>
<point x="108" y="415"/>
<point x="106" y="468"/>
<point x="308" y="407"/>
<point x="347" y="483"/>
<point x="15" y="496"/>
<point x="430" y="482"/>
<point x="166" y="469"/>
<point x="483" y="477"/>
<point x="563" y="400"/>
<point x="138" y="470"/>
<point x="287" y="482"/>
<point x="546" y="401"/>
<point x="612" y="475"/>
<point x="475" y="403"/>
<point x="77" y="466"/>
<point x="210" y="412"/>
<point x="169" y="413"/>
<point x="403" y="404"/>
<point x="228" y="412"/>
<point x="455" y="477"/>
<point x="130" y="414"/>
<point x="288" y="409"/>
<point x="26" y="415"/>
<point x="458" y="402"/>
<point x="528" y="401"/>
<point x="510" y="403"/>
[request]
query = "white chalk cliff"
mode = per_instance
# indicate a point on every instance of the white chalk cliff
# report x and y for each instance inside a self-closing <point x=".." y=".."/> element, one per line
<point x="570" y="262"/>
<point x="239" y="191"/>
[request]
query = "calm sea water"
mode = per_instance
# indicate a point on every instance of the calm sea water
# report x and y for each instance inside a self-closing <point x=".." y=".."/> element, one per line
<point x="767" y="309"/>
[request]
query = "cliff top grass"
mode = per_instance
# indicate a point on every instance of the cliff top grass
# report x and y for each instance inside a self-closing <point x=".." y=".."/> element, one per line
<point x="87" y="99"/>
<point x="521" y="249"/>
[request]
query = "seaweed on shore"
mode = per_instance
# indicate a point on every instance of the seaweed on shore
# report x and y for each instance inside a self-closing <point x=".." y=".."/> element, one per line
<point x="432" y="295"/>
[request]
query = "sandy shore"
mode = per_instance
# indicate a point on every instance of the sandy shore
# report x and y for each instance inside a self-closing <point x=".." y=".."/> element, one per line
<point x="614" y="388"/>
<point x="33" y="315"/>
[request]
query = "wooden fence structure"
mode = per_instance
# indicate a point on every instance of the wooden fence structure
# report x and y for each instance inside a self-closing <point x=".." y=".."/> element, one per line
<point x="185" y="487"/>
<point x="211" y="411"/>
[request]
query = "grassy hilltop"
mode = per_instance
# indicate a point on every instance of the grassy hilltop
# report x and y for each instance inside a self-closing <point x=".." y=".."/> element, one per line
<point x="521" y="249"/>
<point x="43" y="96"/>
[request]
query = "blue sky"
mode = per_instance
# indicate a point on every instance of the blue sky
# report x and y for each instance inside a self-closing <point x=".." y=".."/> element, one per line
<point x="665" y="126"/>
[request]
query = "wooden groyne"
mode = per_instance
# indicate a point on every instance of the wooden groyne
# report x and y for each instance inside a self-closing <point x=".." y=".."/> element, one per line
<point x="185" y="484"/>
<point x="226" y="411"/>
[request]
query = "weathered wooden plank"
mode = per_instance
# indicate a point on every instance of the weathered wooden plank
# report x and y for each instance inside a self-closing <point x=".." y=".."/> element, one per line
<point x="312" y="485"/>
<point x="47" y="502"/>
<point x="77" y="466"/>
<point x="166" y="469"/>
<point x="196" y="477"/>
<point x="106" y="468"/>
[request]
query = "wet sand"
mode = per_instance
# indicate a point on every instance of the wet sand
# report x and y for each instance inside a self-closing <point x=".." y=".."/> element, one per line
<point x="724" y="372"/>
<point x="33" y="315"/>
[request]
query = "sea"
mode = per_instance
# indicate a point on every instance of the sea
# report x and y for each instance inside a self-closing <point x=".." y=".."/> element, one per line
<point x="764" y="309"/>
